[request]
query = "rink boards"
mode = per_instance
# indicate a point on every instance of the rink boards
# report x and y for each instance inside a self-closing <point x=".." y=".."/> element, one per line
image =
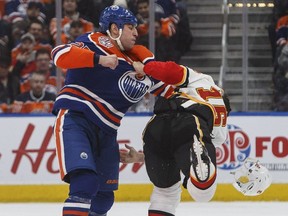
<point x="29" y="167"/>
<point x="131" y="192"/>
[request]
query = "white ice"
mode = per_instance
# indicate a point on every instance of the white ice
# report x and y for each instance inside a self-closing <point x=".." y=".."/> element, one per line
<point x="140" y="209"/>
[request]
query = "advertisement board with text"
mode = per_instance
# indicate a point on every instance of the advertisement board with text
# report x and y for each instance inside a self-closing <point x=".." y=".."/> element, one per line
<point x="28" y="156"/>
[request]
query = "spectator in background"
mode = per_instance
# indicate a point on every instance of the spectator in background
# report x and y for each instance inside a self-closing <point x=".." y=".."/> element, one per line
<point x="280" y="80"/>
<point x="36" y="100"/>
<point x="44" y="66"/>
<point x="142" y="14"/>
<point x="33" y="12"/>
<point x="36" y="28"/>
<point x="132" y="5"/>
<point x="75" y="30"/>
<point x="281" y="30"/>
<point x="183" y="37"/>
<point x="174" y="23"/>
<point x="23" y="57"/>
<point x="166" y="7"/>
<point x="16" y="6"/>
<point x="70" y="13"/>
<point x="168" y="24"/>
<point x="17" y="32"/>
<point x="280" y="9"/>
<point x="9" y="85"/>
<point x="49" y="10"/>
<point x="90" y="10"/>
<point x="21" y="13"/>
<point x="6" y="42"/>
<point x="164" y="47"/>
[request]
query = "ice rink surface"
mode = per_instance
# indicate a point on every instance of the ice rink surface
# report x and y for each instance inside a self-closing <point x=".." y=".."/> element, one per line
<point x="140" y="209"/>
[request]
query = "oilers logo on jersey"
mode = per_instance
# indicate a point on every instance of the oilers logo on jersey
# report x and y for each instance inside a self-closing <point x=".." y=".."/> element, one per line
<point x="133" y="88"/>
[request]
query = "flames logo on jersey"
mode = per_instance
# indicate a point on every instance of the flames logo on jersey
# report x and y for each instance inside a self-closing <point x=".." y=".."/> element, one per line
<point x="132" y="87"/>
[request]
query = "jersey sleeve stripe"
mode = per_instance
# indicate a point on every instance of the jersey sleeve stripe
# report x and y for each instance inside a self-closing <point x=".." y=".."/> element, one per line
<point x="58" y="51"/>
<point x="151" y="58"/>
<point x="184" y="78"/>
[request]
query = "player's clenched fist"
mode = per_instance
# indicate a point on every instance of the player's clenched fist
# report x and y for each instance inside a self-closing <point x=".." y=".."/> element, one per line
<point x="138" y="66"/>
<point x="110" y="61"/>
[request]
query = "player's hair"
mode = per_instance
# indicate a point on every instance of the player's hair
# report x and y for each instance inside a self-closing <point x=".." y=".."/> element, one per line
<point x="42" y="51"/>
<point x="142" y="1"/>
<point x="227" y="103"/>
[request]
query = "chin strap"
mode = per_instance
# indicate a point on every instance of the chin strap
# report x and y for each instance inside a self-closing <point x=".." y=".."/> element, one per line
<point x="117" y="39"/>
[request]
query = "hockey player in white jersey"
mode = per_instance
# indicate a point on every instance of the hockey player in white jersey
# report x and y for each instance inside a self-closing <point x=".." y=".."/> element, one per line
<point x="181" y="136"/>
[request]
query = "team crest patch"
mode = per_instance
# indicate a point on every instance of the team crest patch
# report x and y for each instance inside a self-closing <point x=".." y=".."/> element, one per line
<point x="105" y="41"/>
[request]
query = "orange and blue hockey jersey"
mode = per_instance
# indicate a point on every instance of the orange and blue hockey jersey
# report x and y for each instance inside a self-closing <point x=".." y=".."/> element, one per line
<point x="102" y="94"/>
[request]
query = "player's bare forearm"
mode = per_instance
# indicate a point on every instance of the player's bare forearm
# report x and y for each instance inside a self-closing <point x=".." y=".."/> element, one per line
<point x="138" y="66"/>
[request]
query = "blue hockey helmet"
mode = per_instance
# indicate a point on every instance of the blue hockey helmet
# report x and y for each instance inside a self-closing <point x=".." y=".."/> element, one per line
<point x="118" y="15"/>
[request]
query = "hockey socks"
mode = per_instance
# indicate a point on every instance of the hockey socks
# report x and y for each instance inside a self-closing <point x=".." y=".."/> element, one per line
<point x="76" y="206"/>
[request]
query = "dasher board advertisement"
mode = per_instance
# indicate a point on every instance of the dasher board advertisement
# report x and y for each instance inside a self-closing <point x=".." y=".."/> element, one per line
<point x="28" y="156"/>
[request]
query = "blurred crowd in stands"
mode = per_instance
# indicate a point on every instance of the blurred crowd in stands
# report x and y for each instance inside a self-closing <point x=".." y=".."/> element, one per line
<point x="278" y="34"/>
<point x="28" y="30"/>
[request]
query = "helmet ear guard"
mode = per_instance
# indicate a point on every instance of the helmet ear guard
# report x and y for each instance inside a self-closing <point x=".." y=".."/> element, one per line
<point x="252" y="179"/>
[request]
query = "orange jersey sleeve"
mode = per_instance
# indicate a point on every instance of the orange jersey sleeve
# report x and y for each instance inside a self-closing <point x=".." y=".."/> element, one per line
<point x="71" y="56"/>
<point x="140" y="53"/>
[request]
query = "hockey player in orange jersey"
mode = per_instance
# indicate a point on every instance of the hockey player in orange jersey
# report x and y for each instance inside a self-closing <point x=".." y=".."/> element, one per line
<point x="100" y="86"/>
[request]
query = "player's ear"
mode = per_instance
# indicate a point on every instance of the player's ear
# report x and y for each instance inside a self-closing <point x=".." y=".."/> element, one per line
<point x="114" y="30"/>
